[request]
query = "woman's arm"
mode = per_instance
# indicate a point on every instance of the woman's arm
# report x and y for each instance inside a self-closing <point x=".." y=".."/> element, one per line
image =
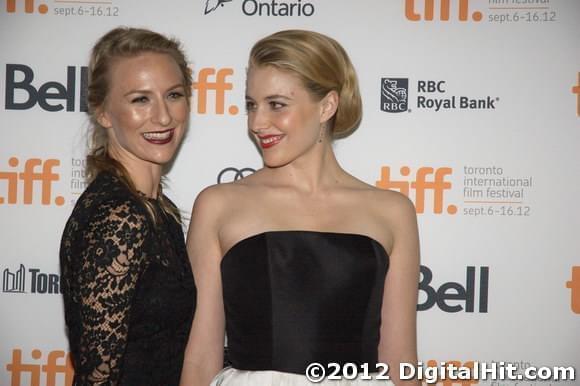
<point x="204" y="352"/>
<point x="398" y="343"/>
<point x="111" y="262"/>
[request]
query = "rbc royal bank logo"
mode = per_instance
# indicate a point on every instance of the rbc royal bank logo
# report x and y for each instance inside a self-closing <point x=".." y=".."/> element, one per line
<point x="394" y="94"/>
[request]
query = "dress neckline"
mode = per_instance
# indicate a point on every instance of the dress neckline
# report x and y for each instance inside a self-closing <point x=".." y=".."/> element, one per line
<point x="296" y="231"/>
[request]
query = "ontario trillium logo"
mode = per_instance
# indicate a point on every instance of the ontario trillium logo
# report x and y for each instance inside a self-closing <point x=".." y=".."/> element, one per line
<point x="212" y="5"/>
<point x="289" y="8"/>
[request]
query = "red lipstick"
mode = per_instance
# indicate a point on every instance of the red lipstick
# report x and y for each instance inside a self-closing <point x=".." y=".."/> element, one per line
<point x="267" y="141"/>
<point x="159" y="137"/>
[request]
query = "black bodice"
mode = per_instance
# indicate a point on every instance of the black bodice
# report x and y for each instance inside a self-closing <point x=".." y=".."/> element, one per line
<point x="296" y="297"/>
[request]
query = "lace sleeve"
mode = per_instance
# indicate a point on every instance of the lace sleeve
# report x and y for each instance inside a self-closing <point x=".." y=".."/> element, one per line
<point x="112" y="261"/>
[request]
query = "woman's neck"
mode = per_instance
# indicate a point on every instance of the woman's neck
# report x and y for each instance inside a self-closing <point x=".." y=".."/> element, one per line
<point x="311" y="173"/>
<point x="145" y="176"/>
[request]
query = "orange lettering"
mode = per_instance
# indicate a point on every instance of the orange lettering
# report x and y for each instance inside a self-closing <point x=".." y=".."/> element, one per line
<point x="444" y="11"/>
<point x="454" y="382"/>
<point x="28" y="177"/>
<point x="410" y="11"/>
<point x="28" y="7"/>
<point x="421" y="184"/>
<point x="220" y="86"/>
<point x="386" y="183"/>
<point x="12" y="178"/>
<point x="576" y="90"/>
<point x="51" y="368"/>
<point x="16" y="367"/>
<point x="574" y="285"/>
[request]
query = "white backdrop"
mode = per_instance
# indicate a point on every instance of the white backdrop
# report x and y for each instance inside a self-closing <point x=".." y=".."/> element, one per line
<point x="498" y="184"/>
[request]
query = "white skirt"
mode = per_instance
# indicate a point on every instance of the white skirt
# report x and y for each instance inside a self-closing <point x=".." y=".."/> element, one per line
<point x="234" y="377"/>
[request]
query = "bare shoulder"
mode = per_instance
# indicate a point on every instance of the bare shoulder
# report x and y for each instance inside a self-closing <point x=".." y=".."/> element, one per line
<point x="216" y="200"/>
<point x="395" y="210"/>
<point x="213" y="195"/>
<point x="398" y="214"/>
<point x="209" y="198"/>
<point x="388" y="202"/>
<point x="395" y="203"/>
<point x="213" y="199"/>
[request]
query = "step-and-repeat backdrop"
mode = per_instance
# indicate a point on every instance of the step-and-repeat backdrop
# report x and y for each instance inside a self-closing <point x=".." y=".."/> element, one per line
<point x="471" y="108"/>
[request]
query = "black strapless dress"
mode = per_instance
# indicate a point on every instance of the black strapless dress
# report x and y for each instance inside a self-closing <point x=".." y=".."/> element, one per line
<point x="297" y="297"/>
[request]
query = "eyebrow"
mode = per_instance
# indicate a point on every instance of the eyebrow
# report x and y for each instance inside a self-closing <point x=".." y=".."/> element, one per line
<point x="178" y="85"/>
<point x="271" y="97"/>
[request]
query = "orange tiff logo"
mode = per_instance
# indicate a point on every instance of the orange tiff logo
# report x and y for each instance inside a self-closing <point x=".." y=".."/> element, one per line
<point x="427" y="179"/>
<point x="576" y="90"/>
<point x="57" y="363"/>
<point x="31" y="174"/>
<point x="28" y="6"/>
<point x="429" y="8"/>
<point x="210" y="79"/>
<point x="574" y="285"/>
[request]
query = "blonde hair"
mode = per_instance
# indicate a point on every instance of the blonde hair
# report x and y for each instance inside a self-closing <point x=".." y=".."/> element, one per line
<point x="124" y="42"/>
<point x="322" y="65"/>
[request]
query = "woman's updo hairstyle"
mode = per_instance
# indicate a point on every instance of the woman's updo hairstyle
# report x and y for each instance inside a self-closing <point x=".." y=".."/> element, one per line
<point x="322" y="65"/>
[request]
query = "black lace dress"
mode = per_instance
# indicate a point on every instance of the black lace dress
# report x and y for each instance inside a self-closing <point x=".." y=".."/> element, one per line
<point x="129" y="293"/>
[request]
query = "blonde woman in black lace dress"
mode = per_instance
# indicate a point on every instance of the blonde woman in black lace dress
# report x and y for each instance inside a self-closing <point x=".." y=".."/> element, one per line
<point x="129" y="293"/>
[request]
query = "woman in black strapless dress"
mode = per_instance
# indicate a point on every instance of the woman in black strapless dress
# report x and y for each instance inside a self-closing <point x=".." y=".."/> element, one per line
<point x="301" y="262"/>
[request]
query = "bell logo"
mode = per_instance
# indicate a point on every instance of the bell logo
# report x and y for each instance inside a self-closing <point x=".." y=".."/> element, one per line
<point x="46" y="92"/>
<point x="422" y="184"/>
<point x="576" y="90"/>
<point x="28" y="6"/>
<point x="219" y="86"/>
<point x="46" y="177"/>
<point x="454" y="291"/>
<point x="428" y="14"/>
<point x="574" y="285"/>
<point x="57" y="363"/>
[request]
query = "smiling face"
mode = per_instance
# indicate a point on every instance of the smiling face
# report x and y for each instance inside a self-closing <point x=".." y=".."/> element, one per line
<point x="283" y="116"/>
<point x="146" y="110"/>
